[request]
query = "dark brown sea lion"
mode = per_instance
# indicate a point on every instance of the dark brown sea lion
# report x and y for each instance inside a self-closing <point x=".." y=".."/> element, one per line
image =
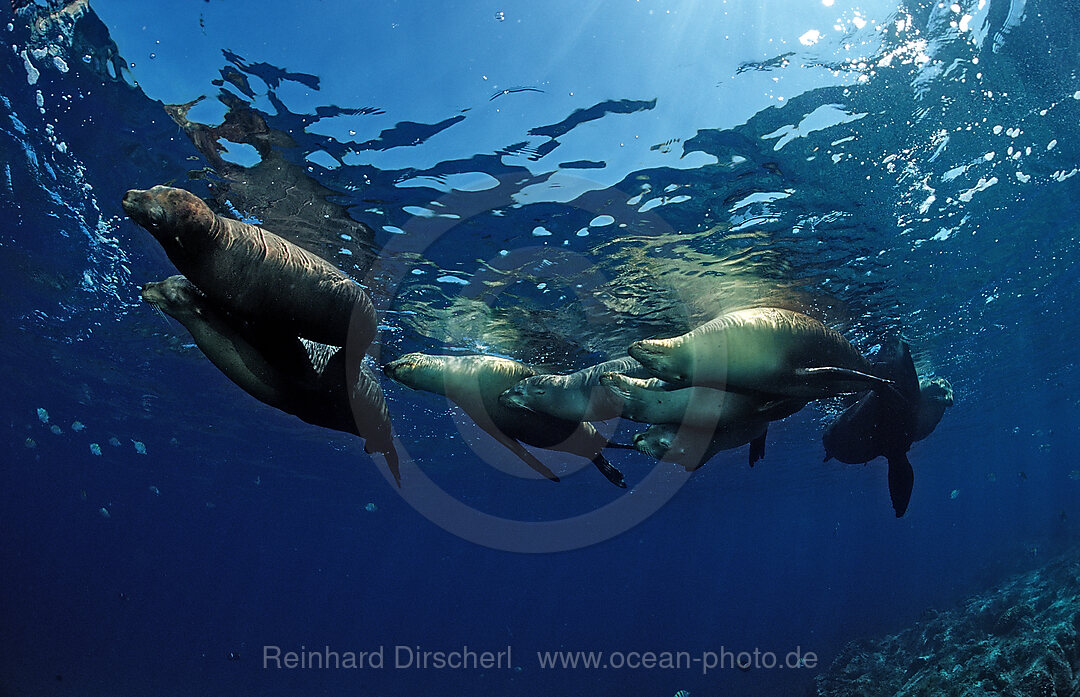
<point x="252" y="273"/>
<point x="885" y="422"/>
<point x="300" y="377"/>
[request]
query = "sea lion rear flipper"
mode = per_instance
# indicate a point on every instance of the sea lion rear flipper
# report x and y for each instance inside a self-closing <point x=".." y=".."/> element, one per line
<point x="901" y="480"/>
<point x="844" y="374"/>
<point x="390" y="453"/>
<point x="526" y="457"/>
<point x="610" y="471"/>
<point x="757" y="448"/>
<point x="392" y="463"/>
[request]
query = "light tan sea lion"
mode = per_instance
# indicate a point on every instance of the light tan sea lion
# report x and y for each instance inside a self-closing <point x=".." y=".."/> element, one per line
<point x="578" y="396"/>
<point x="252" y="273"/>
<point x="303" y="378"/>
<point x="654" y="402"/>
<point x="474" y="383"/>
<point x="765" y="350"/>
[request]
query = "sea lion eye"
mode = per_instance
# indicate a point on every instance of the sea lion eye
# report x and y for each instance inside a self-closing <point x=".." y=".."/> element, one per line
<point x="156" y="215"/>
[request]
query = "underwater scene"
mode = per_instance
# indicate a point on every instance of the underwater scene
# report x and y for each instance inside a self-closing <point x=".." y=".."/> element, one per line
<point x="673" y="348"/>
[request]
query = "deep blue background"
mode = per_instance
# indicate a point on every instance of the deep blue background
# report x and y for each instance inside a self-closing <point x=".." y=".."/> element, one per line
<point x="261" y="534"/>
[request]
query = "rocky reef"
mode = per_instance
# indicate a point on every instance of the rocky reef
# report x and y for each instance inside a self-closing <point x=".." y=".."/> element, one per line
<point x="1020" y="640"/>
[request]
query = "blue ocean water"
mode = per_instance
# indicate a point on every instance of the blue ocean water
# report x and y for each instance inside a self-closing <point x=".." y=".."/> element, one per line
<point x="548" y="184"/>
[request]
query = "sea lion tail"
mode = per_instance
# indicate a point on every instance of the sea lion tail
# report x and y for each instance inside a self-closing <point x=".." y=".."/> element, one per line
<point x="901" y="481"/>
<point x="610" y="471"/>
<point x="393" y="463"/>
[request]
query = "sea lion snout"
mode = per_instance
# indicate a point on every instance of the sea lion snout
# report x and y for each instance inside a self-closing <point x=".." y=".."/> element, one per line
<point x="939" y="389"/>
<point x="174" y="291"/>
<point x="398" y="368"/>
<point x="651" y="446"/>
<point x="142" y="207"/>
<point x="515" y="396"/>
<point x="130" y="200"/>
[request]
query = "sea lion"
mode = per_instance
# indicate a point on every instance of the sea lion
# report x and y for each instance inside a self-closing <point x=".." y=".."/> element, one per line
<point x="765" y="350"/>
<point x="693" y="447"/>
<point x="882" y="423"/>
<point x="253" y="273"/>
<point x="474" y="383"/>
<point x="300" y="377"/>
<point x="577" y="396"/>
<point x="656" y="402"/>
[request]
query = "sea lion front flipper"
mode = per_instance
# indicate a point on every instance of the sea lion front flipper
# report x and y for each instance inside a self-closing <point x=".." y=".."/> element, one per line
<point x="843" y="374"/>
<point x="519" y="450"/>
<point x="901" y="481"/>
<point x="610" y="471"/>
<point x="620" y="446"/>
<point x="757" y="448"/>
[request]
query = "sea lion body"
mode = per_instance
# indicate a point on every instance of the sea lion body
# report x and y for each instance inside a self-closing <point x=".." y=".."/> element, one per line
<point x="253" y="273"/>
<point x="475" y="382"/>
<point x="347" y="397"/>
<point x="655" y="402"/>
<point x="303" y="378"/>
<point x="882" y="423"/>
<point x="577" y="396"/>
<point x="765" y="350"/>
<point x="692" y="447"/>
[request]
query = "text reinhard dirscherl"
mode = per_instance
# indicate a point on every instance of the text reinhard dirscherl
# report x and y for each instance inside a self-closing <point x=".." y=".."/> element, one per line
<point x="402" y="657"/>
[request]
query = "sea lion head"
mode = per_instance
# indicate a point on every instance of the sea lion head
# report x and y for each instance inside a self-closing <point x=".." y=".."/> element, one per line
<point x="937" y="390"/>
<point x="688" y="447"/>
<point x="654" y="442"/>
<point x="175" y="296"/>
<point x="173" y="216"/>
<point x="419" y="371"/>
<point x="532" y="394"/>
<point x="465" y="376"/>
